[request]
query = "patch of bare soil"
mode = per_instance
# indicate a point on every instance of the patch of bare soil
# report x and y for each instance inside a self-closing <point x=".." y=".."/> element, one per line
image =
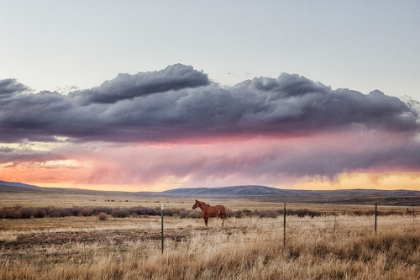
<point x="107" y="237"/>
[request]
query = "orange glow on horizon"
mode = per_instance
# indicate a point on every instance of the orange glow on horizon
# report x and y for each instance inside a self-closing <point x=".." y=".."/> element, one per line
<point x="217" y="162"/>
<point x="394" y="181"/>
<point x="383" y="181"/>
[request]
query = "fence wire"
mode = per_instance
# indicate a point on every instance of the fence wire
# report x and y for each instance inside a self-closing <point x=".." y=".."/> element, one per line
<point x="273" y="230"/>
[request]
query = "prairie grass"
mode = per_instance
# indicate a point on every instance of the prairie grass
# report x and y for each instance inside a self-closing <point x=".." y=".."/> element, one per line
<point x="331" y="247"/>
<point x="115" y="200"/>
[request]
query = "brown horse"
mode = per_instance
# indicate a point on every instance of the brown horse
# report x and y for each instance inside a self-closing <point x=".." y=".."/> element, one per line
<point x="211" y="211"/>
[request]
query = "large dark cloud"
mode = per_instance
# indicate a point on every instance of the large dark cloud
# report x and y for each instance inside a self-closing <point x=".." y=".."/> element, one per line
<point x="180" y="103"/>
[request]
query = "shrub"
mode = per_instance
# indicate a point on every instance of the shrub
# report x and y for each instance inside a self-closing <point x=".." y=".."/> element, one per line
<point x="230" y="213"/>
<point x="184" y="213"/>
<point x="103" y="216"/>
<point x="358" y="213"/>
<point x="86" y="212"/>
<point x="75" y="210"/>
<point x="40" y="213"/>
<point x="195" y="214"/>
<point x="65" y="212"/>
<point x="369" y="213"/>
<point x="139" y="210"/>
<point x="10" y="212"/>
<point x="99" y="209"/>
<point x="247" y="213"/>
<point x="52" y="212"/>
<point x="238" y="214"/>
<point x="153" y="212"/>
<point x="305" y="212"/>
<point x="26" y="212"/>
<point x="267" y="214"/>
<point x="120" y="213"/>
<point x="168" y="212"/>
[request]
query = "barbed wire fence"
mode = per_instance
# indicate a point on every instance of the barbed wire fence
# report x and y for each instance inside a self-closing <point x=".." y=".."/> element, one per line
<point x="284" y="227"/>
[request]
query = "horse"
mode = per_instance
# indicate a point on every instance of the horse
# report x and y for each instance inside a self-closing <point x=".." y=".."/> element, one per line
<point x="211" y="211"/>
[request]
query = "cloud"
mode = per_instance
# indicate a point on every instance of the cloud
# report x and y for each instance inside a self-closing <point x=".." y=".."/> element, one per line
<point x="126" y="86"/>
<point x="254" y="161"/>
<point x="25" y="156"/>
<point x="179" y="103"/>
<point x="8" y="87"/>
<point x="178" y="127"/>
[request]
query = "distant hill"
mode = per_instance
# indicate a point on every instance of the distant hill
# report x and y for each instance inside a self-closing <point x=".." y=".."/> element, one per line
<point x="19" y="187"/>
<point x="375" y="192"/>
<point x="14" y="187"/>
<point x="262" y="193"/>
<point x="247" y="190"/>
<point x="254" y="192"/>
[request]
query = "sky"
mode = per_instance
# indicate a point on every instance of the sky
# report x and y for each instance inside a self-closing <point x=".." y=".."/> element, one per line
<point x="156" y="95"/>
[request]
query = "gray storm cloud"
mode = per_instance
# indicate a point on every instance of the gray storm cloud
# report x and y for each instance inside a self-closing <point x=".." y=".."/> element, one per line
<point x="126" y="86"/>
<point x="180" y="103"/>
<point x="10" y="87"/>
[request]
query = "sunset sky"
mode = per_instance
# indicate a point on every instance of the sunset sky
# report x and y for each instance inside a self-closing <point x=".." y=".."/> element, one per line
<point x="156" y="95"/>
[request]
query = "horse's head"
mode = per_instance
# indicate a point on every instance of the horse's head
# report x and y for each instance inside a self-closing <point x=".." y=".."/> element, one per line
<point x="196" y="204"/>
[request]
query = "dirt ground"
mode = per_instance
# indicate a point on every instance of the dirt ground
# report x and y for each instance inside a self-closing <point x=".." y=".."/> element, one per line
<point x="26" y="241"/>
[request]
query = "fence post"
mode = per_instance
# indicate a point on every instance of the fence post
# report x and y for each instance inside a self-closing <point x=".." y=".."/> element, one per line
<point x="335" y="217"/>
<point x="413" y="216"/>
<point x="284" y="226"/>
<point x="161" y="215"/>
<point x="376" y="217"/>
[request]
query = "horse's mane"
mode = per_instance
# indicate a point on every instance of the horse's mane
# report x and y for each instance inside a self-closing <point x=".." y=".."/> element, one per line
<point x="203" y="203"/>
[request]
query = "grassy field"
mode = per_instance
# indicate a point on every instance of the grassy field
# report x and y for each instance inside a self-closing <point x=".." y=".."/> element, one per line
<point x="112" y="200"/>
<point x="341" y="246"/>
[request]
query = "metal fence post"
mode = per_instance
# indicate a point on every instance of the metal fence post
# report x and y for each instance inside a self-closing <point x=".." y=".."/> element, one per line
<point x="335" y="218"/>
<point x="376" y="217"/>
<point x="161" y="215"/>
<point x="413" y="216"/>
<point x="284" y="226"/>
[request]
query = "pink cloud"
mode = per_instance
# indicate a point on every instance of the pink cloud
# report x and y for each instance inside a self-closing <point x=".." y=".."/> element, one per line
<point x="261" y="160"/>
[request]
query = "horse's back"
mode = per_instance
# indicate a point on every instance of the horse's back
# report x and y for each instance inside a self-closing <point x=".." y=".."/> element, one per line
<point x="221" y="208"/>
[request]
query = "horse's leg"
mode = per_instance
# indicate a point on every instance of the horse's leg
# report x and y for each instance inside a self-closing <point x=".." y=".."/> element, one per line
<point x="206" y="219"/>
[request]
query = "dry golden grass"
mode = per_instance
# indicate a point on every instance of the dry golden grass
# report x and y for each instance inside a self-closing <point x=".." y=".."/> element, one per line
<point x="132" y="200"/>
<point x="331" y="247"/>
<point x="69" y="200"/>
<point x="327" y="247"/>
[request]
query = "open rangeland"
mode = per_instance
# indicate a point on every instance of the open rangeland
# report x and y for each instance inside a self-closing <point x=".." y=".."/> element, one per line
<point x="340" y="246"/>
